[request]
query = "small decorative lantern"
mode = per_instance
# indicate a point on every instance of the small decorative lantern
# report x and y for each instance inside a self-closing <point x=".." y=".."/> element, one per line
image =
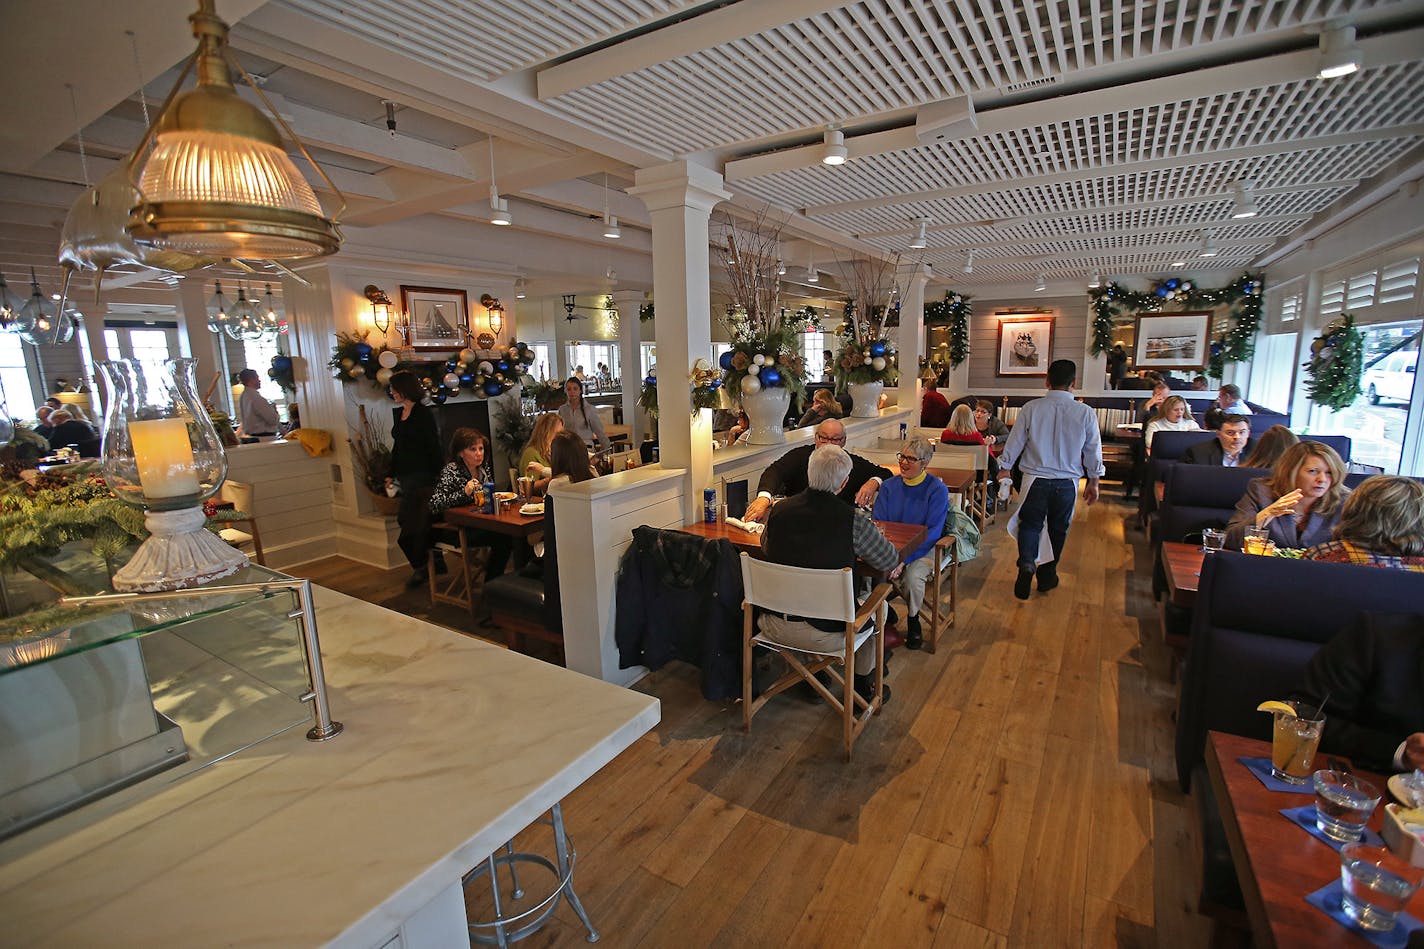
<point x="162" y="453"/>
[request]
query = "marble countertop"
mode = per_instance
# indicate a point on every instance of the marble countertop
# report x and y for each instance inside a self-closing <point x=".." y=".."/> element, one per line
<point x="451" y="747"/>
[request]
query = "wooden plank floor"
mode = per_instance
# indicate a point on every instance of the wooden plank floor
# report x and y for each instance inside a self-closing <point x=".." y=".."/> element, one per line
<point x="1018" y="790"/>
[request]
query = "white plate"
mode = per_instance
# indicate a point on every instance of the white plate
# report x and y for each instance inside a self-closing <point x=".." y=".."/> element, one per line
<point x="530" y="510"/>
<point x="505" y="496"/>
<point x="1400" y="790"/>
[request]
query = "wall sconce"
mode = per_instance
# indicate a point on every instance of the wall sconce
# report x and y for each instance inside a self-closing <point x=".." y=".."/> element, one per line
<point x="380" y="307"/>
<point x="495" y="313"/>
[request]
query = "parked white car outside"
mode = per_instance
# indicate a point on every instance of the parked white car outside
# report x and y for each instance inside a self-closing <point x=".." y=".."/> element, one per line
<point x="1391" y="378"/>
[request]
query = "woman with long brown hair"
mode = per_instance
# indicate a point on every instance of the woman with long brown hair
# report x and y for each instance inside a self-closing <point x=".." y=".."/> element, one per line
<point x="578" y="418"/>
<point x="568" y="457"/>
<point x="534" y="460"/>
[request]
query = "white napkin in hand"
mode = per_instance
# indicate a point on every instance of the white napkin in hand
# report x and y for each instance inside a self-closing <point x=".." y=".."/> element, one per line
<point x="751" y="527"/>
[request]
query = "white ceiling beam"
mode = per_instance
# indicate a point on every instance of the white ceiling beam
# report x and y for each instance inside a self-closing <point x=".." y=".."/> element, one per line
<point x="1244" y="153"/>
<point x="1188" y="232"/>
<point x="1051" y="259"/>
<point x="1216" y="80"/>
<point x="704" y="31"/>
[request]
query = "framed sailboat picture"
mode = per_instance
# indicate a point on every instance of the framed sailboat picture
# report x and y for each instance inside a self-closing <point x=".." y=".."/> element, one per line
<point x="437" y="317"/>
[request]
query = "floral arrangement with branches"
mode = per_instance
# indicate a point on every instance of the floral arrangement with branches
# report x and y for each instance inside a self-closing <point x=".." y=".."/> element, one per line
<point x="645" y="313"/>
<point x="954" y="311"/>
<point x="866" y="354"/>
<point x="764" y="354"/>
<point x="370" y="455"/>
<point x="512" y="428"/>
<point x="1337" y="362"/>
<point x="483" y="374"/>
<point x="705" y="384"/>
<point x="1245" y="296"/>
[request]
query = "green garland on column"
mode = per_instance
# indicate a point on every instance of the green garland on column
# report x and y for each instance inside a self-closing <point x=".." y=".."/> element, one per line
<point x="1337" y="360"/>
<point x="1244" y="295"/>
<point x="953" y="311"/>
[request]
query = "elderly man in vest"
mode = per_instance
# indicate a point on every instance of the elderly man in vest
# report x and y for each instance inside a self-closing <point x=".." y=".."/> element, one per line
<point x="816" y="529"/>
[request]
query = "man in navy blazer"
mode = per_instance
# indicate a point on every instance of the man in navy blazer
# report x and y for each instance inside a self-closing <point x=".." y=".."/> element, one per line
<point x="1230" y="447"/>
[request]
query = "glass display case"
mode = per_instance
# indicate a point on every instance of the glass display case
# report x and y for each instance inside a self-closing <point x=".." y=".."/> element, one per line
<point x="98" y="691"/>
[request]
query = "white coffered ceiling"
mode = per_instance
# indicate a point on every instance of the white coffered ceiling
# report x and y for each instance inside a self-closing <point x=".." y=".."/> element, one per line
<point x="1109" y="133"/>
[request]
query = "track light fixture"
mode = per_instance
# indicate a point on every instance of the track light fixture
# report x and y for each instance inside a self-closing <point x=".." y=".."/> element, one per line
<point x="1095" y="282"/>
<point x="1209" y="247"/>
<point x="499" y="207"/>
<point x="780" y="267"/>
<point x="1244" y="203"/>
<point x="834" y="152"/>
<point x="1042" y="283"/>
<point x="521" y="287"/>
<point x="1339" y="56"/>
<point x="969" y="261"/>
<point x="611" y="230"/>
<point x="918" y="243"/>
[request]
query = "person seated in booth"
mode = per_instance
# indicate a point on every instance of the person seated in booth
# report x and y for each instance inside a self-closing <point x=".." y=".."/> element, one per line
<point x="934" y="408"/>
<point x="988" y="423"/>
<point x="568" y="459"/>
<point x="1152" y="408"/>
<point x="961" y="430"/>
<point x="1270" y="447"/>
<point x="1299" y="504"/>
<point x="1175" y="416"/>
<point x="823" y="406"/>
<point x="816" y="530"/>
<point x="1381" y="525"/>
<point x="1200" y="384"/>
<point x="461" y="484"/>
<point x="915" y="496"/>
<point x="1228" y="448"/>
<point x="67" y="430"/>
<point x="1373" y="672"/>
<point x="43" y="425"/>
<point x="1229" y="401"/>
<point x="787" y="475"/>
<point x="534" y="460"/>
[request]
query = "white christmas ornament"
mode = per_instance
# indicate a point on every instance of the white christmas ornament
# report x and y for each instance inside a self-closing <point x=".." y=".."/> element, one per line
<point x="750" y="385"/>
<point x="451" y="380"/>
<point x="754" y="368"/>
<point x="486" y="367"/>
<point x="878" y="363"/>
<point x="388" y="359"/>
<point x="759" y="360"/>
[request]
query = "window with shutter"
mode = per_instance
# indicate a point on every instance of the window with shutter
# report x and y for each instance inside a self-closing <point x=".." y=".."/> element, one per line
<point x="1360" y="291"/>
<point x="1399" y="282"/>
<point x="1332" y="299"/>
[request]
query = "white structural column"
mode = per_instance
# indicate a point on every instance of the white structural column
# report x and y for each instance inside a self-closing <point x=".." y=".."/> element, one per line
<point x="199" y="343"/>
<point x="680" y="196"/>
<point x="628" y="303"/>
<point x="911" y="344"/>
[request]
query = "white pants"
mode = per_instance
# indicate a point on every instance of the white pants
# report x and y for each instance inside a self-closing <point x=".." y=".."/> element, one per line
<point x="802" y="635"/>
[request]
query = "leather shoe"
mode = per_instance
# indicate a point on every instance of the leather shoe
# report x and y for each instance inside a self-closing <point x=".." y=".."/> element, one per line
<point x="914" y="639"/>
<point x="865" y="688"/>
<point x="1047" y="577"/>
<point x="1023" y="584"/>
<point x="417" y="579"/>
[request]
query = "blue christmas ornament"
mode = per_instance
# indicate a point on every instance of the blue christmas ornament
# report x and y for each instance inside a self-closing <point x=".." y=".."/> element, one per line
<point x="1215" y="348"/>
<point x="770" y="377"/>
<point x="1162" y="291"/>
<point x="1173" y="284"/>
<point x="281" y="363"/>
<point x="363" y="350"/>
<point x="441" y="394"/>
<point x="725" y="361"/>
<point x="502" y="365"/>
<point x="493" y="388"/>
<point x="467" y="379"/>
<point x="877" y="348"/>
<point x="715" y="384"/>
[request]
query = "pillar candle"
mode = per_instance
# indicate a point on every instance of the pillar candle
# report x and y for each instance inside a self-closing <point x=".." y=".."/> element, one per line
<point x="164" y="457"/>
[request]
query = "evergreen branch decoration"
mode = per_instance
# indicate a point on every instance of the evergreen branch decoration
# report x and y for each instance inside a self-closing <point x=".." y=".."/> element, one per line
<point x="704" y="385"/>
<point x="40" y="521"/>
<point x="1337" y="361"/>
<point x="1245" y="296"/>
<point x="645" y="313"/>
<point x="954" y="311"/>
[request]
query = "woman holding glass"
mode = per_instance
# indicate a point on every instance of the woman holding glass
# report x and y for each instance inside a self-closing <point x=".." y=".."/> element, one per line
<point x="1174" y="416"/>
<point x="462" y="484"/>
<point x="914" y="496"/>
<point x="1299" y="504"/>
<point x="534" y="460"/>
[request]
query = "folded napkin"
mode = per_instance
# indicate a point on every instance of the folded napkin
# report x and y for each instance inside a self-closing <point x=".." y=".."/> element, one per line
<point x="316" y="441"/>
<point x="751" y="527"/>
<point x="1261" y="768"/>
<point x="1327" y="900"/>
<point x="1304" y="818"/>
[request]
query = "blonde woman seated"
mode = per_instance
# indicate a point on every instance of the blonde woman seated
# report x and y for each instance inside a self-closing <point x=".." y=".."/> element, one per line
<point x="534" y="460"/>
<point x="961" y="429"/>
<point x="823" y="406"/>
<point x="1381" y="525"/>
<point x="1299" y="503"/>
<point x="1174" y="416"/>
<point x="914" y="496"/>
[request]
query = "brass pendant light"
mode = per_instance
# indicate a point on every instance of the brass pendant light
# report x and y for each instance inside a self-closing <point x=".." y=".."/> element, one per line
<point x="218" y="181"/>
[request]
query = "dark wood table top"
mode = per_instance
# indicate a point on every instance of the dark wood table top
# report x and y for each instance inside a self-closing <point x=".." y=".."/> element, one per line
<point x="507" y="521"/>
<point x="1278" y="863"/>
<point x="905" y="537"/>
<point x="1182" y="564"/>
<point x="957" y="480"/>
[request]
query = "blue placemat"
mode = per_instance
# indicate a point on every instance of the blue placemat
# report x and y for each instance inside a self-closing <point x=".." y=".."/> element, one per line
<point x="1327" y="900"/>
<point x="1304" y="818"/>
<point x="1261" y="768"/>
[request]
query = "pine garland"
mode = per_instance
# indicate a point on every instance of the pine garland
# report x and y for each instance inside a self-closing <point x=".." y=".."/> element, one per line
<point x="1336" y="364"/>
<point x="954" y="311"/>
<point x="45" y="520"/>
<point x="1245" y="296"/>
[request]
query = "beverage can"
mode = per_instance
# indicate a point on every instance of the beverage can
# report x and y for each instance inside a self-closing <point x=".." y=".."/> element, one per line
<point x="709" y="505"/>
<point x="489" y="497"/>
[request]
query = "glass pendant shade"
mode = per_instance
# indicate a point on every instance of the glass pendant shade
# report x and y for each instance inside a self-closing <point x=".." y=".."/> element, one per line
<point x="10" y="307"/>
<point x="41" y="323"/>
<point x="160" y="450"/>
<point x="218" y="181"/>
<point x="217" y="310"/>
<point x="244" y="323"/>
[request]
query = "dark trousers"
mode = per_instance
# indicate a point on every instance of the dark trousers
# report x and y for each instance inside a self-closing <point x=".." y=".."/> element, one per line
<point x="413" y="517"/>
<point x="1050" y="500"/>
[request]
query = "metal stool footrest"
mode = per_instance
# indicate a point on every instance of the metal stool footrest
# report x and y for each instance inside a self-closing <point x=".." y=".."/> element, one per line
<point x="503" y="930"/>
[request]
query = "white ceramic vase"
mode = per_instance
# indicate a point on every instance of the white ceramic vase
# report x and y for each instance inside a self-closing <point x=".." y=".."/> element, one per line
<point x="865" y="399"/>
<point x="767" y="409"/>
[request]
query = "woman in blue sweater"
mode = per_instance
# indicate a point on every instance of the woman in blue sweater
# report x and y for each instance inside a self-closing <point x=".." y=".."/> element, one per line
<point x="914" y="496"/>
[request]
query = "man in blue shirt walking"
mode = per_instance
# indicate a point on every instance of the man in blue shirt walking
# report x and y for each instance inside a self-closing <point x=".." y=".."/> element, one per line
<point x="1055" y="442"/>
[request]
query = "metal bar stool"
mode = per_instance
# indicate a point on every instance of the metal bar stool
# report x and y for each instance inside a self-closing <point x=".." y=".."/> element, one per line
<point x="503" y="930"/>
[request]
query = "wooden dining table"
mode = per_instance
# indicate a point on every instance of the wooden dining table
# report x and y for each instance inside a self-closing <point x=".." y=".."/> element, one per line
<point x="1277" y="863"/>
<point x="905" y="537"/>
<point x="1182" y="564"/>
<point x="506" y="520"/>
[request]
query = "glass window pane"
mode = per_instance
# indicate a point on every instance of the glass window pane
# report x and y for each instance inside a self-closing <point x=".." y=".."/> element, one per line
<point x="1377" y="419"/>
<point x="15" y="377"/>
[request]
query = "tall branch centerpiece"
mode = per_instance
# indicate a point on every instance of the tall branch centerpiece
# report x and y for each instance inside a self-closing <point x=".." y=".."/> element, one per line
<point x="764" y="367"/>
<point x="866" y="362"/>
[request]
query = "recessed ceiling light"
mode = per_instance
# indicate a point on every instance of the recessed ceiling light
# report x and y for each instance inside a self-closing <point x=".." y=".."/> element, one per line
<point x="834" y="151"/>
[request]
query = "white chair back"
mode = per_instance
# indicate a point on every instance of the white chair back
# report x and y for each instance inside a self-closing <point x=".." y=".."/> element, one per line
<point x="961" y="456"/>
<point x="239" y="494"/>
<point x="889" y="444"/>
<point x="799" y="591"/>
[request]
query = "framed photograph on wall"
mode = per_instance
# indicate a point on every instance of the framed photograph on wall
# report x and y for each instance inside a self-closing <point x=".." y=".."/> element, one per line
<point x="1172" y="341"/>
<point x="1025" y="345"/>
<point x="438" y="318"/>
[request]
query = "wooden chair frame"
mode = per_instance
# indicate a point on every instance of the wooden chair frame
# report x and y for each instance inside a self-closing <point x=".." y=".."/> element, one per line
<point x="946" y="560"/>
<point x="455" y="587"/>
<point x="241" y="496"/>
<point x="853" y="710"/>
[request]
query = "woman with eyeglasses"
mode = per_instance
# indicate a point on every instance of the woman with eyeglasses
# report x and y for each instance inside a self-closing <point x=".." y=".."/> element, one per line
<point x="914" y="496"/>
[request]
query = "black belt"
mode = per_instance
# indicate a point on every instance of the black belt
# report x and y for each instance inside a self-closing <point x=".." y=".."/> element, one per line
<point x="260" y="434"/>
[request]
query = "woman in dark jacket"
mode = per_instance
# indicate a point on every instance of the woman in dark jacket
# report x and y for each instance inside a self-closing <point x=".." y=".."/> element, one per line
<point x="461" y="484"/>
<point x="415" y="462"/>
